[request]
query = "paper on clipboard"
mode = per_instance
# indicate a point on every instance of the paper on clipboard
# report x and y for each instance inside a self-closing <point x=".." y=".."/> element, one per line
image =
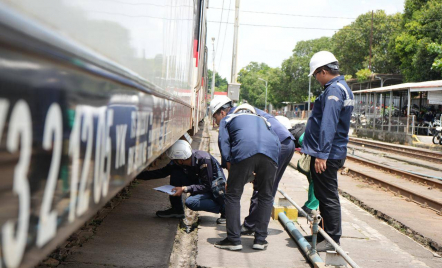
<point x="165" y="189"/>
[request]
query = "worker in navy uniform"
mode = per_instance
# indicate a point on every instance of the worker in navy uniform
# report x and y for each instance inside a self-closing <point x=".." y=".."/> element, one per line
<point x="249" y="150"/>
<point x="194" y="172"/>
<point x="286" y="153"/>
<point x="325" y="140"/>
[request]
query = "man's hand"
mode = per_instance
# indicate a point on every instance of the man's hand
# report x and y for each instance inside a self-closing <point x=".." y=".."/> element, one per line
<point x="320" y="165"/>
<point x="178" y="191"/>
<point x="228" y="166"/>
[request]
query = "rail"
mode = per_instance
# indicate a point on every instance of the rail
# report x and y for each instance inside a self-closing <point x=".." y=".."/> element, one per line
<point x="415" y="197"/>
<point x="398" y="149"/>
<point x="402" y="173"/>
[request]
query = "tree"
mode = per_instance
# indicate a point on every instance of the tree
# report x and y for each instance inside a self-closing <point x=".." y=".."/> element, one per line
<point x="422" y="26"/>
<point x="351" y="45"/>
<point x="220" y="82"/>
<point x="253" y="89"/>
<point x="292" y="85"/>
<point x="363" y="75"/>
<point x="436" y="48"/>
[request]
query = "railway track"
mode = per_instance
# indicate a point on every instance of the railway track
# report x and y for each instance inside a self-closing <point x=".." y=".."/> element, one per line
<point x="423" y="200"/>
<point x="418" y="153"/>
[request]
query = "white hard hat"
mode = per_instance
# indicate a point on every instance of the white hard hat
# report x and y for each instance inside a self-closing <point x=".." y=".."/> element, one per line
<point x="180" y="150"/>
<point x="245" y="106"/>
<point x="218" y="102"/>
<point x="284" y="121"/>
<point x="320" y="59"/>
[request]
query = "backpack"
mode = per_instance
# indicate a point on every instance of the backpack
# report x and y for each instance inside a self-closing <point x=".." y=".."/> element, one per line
<point x="297" y="132"/>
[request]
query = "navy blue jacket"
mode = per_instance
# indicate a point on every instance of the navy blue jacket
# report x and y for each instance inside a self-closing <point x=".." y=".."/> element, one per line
<point x="280" y="130"/>
<point x="204" y="169"/>
<point x="326" y="134"/>
<point x="244" y="135"/>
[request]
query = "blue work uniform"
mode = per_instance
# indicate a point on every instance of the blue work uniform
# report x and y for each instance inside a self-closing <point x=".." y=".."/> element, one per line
<point x="285" y="155"/>
<point x="326" y="134"/>
<point x="198" y="178"/>
<point x="326" y="137"/>
<point x="250" y="145"/>
<point x="244" y="135"/>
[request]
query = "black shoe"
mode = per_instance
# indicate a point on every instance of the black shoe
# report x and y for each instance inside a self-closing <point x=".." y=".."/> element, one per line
<point x="261" y="245"/>
<point x="307" y="210"/>
<point x="246" y="231"/>
<point x="170" y="213"/>
<point x="325" y="246"/>
<point x="319" y="238"/>
<point x="221" y="220"/>
<point x="227" y="244"/>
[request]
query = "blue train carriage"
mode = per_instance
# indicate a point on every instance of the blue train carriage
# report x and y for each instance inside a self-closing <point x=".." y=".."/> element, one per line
<point x="91" y="92"/>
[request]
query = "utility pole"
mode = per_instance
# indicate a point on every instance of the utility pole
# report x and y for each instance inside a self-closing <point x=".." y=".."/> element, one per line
<point x="233" y="77"/>
<point x="213" y="70"/>
<point x="371" y="39"/>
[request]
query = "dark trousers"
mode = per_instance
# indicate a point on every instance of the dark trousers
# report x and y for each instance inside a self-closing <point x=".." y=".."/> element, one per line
<point x="326" y="191"/>
<point x="285" y="155"/>
<point x="198" y="202"/>
<point x="265" y="169"/>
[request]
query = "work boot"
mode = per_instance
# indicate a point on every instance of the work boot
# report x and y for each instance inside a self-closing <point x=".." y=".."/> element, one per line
<point x="221" y="219"/>
<point x="307" y="210"/>
<point x="246" y="231"/>
<point x="170" y="213"/>
<point x="325" y="246"/>
<point x="260" y="244"/>
<point x="227" y="244"/>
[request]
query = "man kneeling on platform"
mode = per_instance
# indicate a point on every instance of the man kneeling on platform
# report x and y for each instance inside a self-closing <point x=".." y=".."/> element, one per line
<point x="195" y="172"/>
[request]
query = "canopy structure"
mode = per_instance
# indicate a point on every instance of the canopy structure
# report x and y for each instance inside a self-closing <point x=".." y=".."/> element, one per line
<point x="396" y="101"/>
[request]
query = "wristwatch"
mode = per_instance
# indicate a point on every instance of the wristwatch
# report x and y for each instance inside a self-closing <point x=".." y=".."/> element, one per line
<point x="185" y="189"/>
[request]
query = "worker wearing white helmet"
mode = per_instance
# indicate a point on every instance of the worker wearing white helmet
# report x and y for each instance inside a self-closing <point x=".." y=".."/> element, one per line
<point x="245" y="108"/>
<point x="219" y="107"/>
<point x="325" y="140"/>
<point x="194" y="172"/>
<point x="285" y="154"/>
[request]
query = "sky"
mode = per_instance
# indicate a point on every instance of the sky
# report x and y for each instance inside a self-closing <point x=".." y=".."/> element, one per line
<point x="272" y="45"/>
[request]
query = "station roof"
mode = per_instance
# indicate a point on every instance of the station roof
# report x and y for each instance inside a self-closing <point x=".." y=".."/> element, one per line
<point x="414" y="87"/>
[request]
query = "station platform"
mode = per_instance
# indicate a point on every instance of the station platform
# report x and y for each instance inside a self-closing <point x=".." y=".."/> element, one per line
<point x="132" y="236"/>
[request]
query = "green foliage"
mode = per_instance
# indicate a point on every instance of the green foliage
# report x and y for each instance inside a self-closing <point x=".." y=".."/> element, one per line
<point x="422" y="26"/>
<point x="437" y="49"/>
<point x="253" y="89"/>
<point x="351" y="45"/>
<point x="363" y="75"/>
<point x="294" y="82"/>
<point x="220" y="83"/>
<point x="348" y="77"/>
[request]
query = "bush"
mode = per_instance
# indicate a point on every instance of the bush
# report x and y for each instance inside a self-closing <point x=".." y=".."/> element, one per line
<point x="363" y="75"/>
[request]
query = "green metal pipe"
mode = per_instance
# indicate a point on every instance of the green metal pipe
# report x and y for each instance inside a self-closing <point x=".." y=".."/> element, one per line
<point x="300" y="240"/>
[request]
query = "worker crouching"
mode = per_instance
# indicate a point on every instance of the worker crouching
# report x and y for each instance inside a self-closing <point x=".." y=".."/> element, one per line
<point x="195" y="172"/>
